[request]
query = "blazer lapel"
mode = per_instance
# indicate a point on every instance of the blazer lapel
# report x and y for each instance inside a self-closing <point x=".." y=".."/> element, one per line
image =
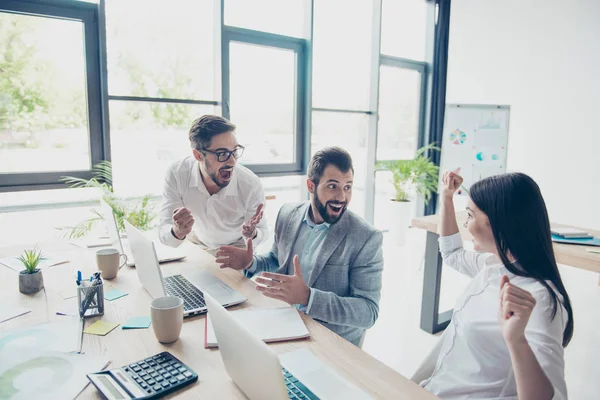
<point x="291" y="232"/>
<point x="335" y="235"/>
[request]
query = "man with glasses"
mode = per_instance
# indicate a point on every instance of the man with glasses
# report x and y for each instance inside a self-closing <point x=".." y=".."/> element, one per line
<point x="208" y="198"/>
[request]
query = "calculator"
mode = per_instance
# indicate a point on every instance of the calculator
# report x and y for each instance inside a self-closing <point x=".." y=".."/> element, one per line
<point x="150" y="378"/>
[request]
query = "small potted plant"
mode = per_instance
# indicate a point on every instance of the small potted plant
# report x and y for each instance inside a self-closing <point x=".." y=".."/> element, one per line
<point x="418" y="176"/>
<point x="31" y="279"/>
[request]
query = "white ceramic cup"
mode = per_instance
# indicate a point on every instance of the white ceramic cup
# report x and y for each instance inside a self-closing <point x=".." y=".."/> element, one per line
<point x="167" y="318"/>
<point x="108" y="262"/>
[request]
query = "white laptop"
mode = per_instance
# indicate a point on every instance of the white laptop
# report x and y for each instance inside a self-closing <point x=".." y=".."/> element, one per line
<point x="164" y="253"/>
<point x="190" y="288"/>
<point x="258" y="372"/>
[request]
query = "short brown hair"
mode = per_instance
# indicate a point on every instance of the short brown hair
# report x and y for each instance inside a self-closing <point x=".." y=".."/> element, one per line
<point x="205" y="128"/>
<point x="335" y="156"/>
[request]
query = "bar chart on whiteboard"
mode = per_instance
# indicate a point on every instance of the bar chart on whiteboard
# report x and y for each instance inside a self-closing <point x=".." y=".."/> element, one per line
<point x="475" y="139"/>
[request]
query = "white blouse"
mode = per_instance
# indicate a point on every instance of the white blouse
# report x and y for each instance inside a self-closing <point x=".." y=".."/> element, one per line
<point x="474" y="361"/>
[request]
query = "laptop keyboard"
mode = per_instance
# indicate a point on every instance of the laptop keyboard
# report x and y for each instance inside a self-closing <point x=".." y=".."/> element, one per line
<point x="178" y="286"/>
<point x="296" y="390"/>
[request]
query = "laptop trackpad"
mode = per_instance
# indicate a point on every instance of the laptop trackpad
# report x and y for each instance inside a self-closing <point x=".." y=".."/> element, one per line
<point x="318" y="377"/>
<point x="219" y="290"/>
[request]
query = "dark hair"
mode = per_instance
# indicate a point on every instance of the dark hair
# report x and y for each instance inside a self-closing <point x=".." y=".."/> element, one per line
<point x="336" y="156"/>
<point x="205" y="128"/>
<point x="519" y="221"/>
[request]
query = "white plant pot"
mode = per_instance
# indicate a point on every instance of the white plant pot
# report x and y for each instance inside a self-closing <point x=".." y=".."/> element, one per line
<point x="399" y="220"/>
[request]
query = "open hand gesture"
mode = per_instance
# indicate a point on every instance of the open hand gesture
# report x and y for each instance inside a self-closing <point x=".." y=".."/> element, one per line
<point x="288" y="288"/>
<point x="249" y="228"/>
<point x="234" y="257"/>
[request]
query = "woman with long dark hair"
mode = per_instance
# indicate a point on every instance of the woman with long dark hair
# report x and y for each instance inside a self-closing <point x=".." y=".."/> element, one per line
<point x="507" y="334"/>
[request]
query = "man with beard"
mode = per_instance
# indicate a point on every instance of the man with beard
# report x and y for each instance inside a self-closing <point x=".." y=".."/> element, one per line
<point x="325" y="260"/>
<point x="208" y="198"/>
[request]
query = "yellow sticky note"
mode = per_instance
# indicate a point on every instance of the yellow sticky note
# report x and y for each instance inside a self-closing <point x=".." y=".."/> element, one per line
<point x="100" y="328"/>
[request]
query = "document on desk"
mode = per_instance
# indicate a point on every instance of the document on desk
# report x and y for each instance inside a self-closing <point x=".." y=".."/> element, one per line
<point x="268" y="324"/>
<point x="32" y="373"/>
<point x="63" y="336"/>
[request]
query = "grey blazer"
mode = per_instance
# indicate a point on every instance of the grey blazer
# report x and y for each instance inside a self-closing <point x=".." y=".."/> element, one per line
<point x="346" y="278"/>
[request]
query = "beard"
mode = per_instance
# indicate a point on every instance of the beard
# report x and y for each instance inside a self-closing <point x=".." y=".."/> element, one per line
<point x="325" y="211"/>
<point x="222" y="177"/>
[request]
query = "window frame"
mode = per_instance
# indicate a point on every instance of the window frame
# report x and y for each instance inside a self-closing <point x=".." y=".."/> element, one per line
<point x="300" y="47"/>
<point x="87" y="13"/>
<point x="421" y="68"/>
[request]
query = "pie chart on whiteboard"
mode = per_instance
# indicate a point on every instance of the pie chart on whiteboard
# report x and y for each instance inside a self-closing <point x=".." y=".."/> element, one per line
<point x="458" y="137"/>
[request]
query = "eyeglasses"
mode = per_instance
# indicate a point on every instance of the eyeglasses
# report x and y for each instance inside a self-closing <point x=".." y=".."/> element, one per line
<point x="224" y="155"/>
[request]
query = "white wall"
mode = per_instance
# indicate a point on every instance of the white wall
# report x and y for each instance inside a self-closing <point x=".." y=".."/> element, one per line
<point x="543" y="59"/>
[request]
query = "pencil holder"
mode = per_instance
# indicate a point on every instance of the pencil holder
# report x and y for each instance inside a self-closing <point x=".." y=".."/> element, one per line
<point x="90" y="300"/>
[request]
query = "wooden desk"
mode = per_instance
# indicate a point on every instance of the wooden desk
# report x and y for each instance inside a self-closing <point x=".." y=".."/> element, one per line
<point x="126" y="346"/>
<point x="431" y="320"/>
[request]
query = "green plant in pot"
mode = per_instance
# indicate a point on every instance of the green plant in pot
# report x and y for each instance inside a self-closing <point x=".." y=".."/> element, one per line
<point x="417" y="176"/>
<point x="139" y="213"/>
<point x="31" y="279"/>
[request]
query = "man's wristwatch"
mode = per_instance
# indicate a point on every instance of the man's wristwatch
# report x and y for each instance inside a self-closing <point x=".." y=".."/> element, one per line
<point x="175" y="236"/>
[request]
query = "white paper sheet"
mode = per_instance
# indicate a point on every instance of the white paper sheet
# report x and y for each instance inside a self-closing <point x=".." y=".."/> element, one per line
<point x="32" y="373"/>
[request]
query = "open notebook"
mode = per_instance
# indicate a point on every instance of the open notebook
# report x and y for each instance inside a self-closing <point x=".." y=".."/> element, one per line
<point x="269" y="324"/>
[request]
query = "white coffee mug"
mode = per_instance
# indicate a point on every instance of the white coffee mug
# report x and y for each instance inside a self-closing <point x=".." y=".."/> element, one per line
<point x="167" y="318"/>
<point x="108" y="262"/>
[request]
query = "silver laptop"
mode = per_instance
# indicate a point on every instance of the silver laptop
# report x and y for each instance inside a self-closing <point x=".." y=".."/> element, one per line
<point x="190" y="288"/>
<point x="164" y="253"/>
<point x="258" y="372"/>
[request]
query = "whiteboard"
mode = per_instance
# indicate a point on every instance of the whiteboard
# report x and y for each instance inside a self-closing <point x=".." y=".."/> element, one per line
<point x="475" y="139"/>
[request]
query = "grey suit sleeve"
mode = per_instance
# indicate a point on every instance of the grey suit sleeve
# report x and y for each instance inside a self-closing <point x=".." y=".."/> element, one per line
<point x="361" y="308"/>
<point x="267" y="262"/>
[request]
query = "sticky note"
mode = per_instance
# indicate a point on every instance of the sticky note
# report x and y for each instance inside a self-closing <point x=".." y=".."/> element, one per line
<point x="100" y="328"/>
<point x="114" y="294"/>
<point x="137" y="323"/>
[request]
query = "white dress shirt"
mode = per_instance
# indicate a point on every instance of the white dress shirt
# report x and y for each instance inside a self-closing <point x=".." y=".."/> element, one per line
<point x="474" y="361"/>
<point x="218" y="219"/>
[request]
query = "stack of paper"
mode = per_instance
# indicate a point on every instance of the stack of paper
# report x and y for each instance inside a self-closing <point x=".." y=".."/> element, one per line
<point x="269" y="324"/>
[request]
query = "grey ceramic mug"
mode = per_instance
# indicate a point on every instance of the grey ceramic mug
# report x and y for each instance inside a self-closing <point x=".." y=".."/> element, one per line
<point x="167" y="318"/>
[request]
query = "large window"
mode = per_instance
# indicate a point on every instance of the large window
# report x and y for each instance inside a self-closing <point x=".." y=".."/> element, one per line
<point x="342" y="71"/>
<point x="159" y="81"/>
<point x="49" y="93"/>
<point x="403" y="28"/>
<point x="265" y="69"/>
<point x="262" y="101"/>
<point x="123" y="80"/>
<point x="401" y="105"/>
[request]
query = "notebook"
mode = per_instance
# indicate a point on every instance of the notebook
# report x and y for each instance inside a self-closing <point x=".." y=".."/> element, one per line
<point x="591" y="241"/>
<point x="570" y="233"/>
<point x="269" y="324"/>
